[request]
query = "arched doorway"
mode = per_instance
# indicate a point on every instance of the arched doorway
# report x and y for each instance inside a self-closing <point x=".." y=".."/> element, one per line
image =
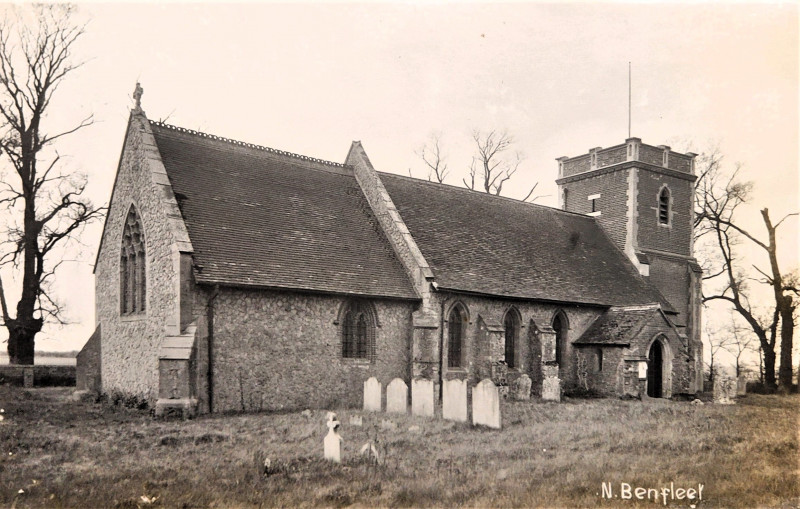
<point x="655" y="370"/>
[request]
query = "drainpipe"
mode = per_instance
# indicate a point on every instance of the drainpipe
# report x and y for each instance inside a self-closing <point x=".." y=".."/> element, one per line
<point x="210" y="346"/>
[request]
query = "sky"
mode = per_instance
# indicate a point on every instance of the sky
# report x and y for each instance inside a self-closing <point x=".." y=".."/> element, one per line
<point x="310" y="78"/>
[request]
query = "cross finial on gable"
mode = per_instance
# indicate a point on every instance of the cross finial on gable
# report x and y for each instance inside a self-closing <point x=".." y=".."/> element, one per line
<point x="137" y="96"/>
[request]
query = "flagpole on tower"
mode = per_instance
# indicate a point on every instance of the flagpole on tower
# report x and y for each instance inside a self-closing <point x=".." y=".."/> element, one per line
<point x="629" y="99"/>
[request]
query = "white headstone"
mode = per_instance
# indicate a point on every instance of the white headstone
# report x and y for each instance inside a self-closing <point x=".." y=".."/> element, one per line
<point x="333" y="441"/>
<point x="372" y="395"/>
<point x="551" y="389"/>
<point x="486" y="405"/>
<point x="397" y="397"/>
<point x="422" y="397"/>
<point x="454" y="400"/>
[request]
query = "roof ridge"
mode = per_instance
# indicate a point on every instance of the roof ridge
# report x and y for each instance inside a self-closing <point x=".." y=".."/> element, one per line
<point x="245" y="144"/>
<point x="493" y="196"/>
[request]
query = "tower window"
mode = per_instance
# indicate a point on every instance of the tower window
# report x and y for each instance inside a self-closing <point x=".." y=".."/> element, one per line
<point x="663" y="206"/>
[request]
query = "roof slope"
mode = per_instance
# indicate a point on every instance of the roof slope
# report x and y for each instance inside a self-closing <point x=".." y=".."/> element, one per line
<point x="485" y="244"/>
<point x="618" y="326"/>
<point x="264" y="218"/>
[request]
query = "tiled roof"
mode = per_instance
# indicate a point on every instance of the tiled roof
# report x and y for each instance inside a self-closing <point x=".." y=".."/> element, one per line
<point x="617" y="326"/>
<point x="491" y="245"/>
<point x="264" y="218"/>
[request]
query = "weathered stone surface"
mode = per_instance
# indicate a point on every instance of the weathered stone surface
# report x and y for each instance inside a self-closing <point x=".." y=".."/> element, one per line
<point x="551" y="389"/>
<point x="486" y="405"/>
<point x="724" y="390"/>
<point x="454" y="400"/>
<point x="397" y="397"/>
<point x="422" y="397"/>
<point x="372" y="395"/>
<point x="741" y="385"/>
<point x="522" y="388"/>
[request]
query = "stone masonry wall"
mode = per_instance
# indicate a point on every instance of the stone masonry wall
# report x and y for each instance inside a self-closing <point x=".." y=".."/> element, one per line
<point x="493" y="311"/>
<point x="130" y="343"/>
<point x="671" y="277"/>
<point x="612" y="204"/>
<point x="675" y="237"/>
<point x="87" y="370"/>
<point x="282" y="350"/>
<point x="603" y="381"/>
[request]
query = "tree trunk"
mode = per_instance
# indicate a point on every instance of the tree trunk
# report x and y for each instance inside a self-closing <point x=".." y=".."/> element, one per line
<point x="787" y="332"/>
<point x="21" y="340"/>
<point x="769" y="369"/>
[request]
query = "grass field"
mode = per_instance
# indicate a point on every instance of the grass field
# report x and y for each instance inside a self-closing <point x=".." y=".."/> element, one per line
<point x="66" y="454"/>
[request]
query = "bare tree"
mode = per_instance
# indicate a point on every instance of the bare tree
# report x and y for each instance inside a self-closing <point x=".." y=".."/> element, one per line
<point x="718" y="196"/>
<point x="46" y="207"/>
<point x="491" y="166"/>
<point x="717" y="342"/>
<point x="740" y="344"/>
<point x="431" y="155"/>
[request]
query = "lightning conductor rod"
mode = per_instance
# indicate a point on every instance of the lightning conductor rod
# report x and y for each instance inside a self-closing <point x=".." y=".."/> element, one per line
<point x="629" y="99"/>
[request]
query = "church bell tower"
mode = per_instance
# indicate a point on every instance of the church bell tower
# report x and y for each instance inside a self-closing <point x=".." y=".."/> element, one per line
<point x="643" y="197"/>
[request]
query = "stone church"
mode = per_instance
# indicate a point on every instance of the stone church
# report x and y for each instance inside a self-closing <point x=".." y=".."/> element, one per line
<point x="236" y="277"/>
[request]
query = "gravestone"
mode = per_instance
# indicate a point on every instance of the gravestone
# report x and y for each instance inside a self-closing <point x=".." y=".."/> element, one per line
<point x="741" y="385"/>
<point x="422" y="397"/>
<point x="551" y="389"/>
<point x="333" y="442"/>
<point x="486" y="405"/>
<point x="27" y="377"/>
<point x="522" y="388"/>
<point x="724" y="390"/>
<point x="454" y="400"/>
<point x="372" y="395"/>
<point x="397" y="397"/>
<point x="356" y="420"/>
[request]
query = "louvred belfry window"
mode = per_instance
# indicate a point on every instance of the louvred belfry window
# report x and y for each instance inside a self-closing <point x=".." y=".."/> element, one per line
<point x="663" y="206"/>
<point x="358" y="331"/>
<point x="132" y="267"/>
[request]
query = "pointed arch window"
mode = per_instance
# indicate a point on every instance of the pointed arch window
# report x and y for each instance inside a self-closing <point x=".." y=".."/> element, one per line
<point x="132" y="266"/>
<point x="560" y="326"/>
<point x="663" y="206"/>
<point x="358" y="331"/>
<point x="511" y="326"/>
<point x="455" y="336"/>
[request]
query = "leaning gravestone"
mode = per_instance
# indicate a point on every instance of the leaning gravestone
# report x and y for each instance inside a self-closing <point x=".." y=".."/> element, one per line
<point x="724" y="390"/>
<point x="422" y="397"/>
<point x="27" y="377"/>
<point x="454" y="400"/>
<point x="372" y="395"/>
<point x="397" y="397"/>
<point x="741" y="385"/>
<point x="486" y="405"/>
<point x="522" y="388"/>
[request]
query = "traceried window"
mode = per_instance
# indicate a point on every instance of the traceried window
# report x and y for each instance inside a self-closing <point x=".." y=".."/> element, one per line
<point x="455" y="336"/>
<point x="358" y="331"/>
<point x="663" y="206"/>
<point x="132" y="266"/>
<point x="511" y="326"/>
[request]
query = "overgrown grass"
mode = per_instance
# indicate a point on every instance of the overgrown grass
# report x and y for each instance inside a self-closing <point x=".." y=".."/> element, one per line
<point x="69" y="454"/>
